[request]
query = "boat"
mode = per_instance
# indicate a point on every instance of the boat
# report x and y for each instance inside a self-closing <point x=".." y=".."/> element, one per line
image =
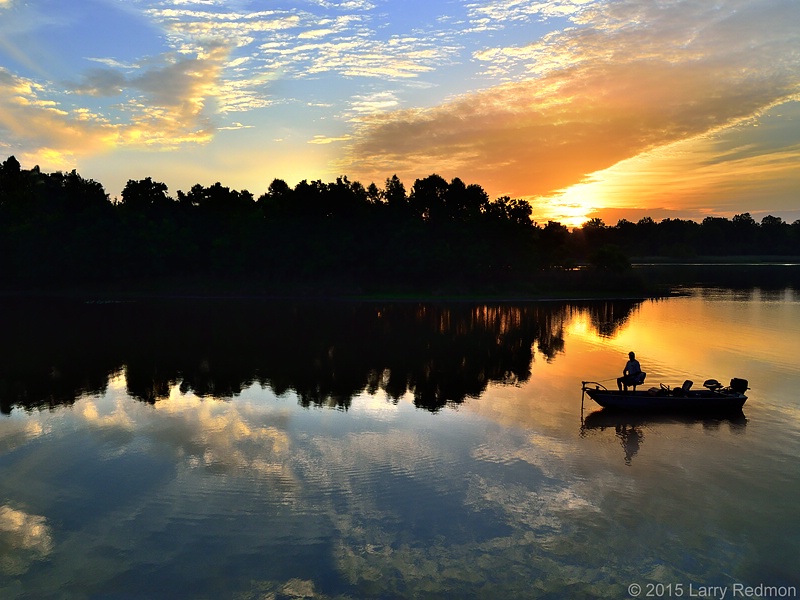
<point x="714" y="398"/>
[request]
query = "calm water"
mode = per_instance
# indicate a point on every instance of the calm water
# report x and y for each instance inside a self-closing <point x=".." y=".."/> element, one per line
<point x="255" y="450"/>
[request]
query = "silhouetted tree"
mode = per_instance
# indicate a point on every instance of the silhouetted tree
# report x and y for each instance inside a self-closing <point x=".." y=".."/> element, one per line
<point x="554" y="239"/>
<point x="511" y="210"/>
<point x="428" y="198"/>
<point x="775" y="236"/>
<point x="395" y="193"/>
<point x="81" y="194"/>
<point x="218" y="200"/>
<point x="145" y="195"/>
<point x="277" y="202"/>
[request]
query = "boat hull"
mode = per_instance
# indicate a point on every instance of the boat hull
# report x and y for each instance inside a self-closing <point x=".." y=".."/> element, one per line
<point x="693" y="401"/>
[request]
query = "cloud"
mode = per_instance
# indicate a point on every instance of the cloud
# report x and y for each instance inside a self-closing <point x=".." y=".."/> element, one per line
<point x="184" y="81"/>
<point x="493" y="14"/>
<point x="236" y="28"/>
<point x="347" y="4"/>
<point x="31" y="123"/>
<point x="300" y="43"/>
<point x="164" y="101"/>
<point x="373" y="103"/>
<point x="235" y="125"/>
<point x="321" y="139"/>
<point x="631" y="76"/>
<point x="172" y="80"/>
<point x="359" y="56"/>
<point x="316" y="33"/>
<point x="101" y="82"/>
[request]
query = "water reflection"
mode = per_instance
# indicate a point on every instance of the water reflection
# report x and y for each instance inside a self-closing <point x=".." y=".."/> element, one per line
<point x="176" y="496"/>
<point x="325" y="353"/>
<point x="629" y="427"/>
<point x="607" y="317"/>
<point x="23" y="539"/>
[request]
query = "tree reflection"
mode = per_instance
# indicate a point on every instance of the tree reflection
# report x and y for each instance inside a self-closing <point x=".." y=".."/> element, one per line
<point x="50" y="358"/>
<point x="326" y="353"/>
<point x="608" y="316"/>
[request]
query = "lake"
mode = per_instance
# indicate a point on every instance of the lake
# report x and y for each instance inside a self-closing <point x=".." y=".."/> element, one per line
<point x="246" y="449"/>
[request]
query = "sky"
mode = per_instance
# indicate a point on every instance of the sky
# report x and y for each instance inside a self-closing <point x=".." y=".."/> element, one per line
<point x="587" y="108"/>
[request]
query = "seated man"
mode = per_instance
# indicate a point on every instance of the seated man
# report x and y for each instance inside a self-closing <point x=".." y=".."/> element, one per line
<point x="632" y="374"/>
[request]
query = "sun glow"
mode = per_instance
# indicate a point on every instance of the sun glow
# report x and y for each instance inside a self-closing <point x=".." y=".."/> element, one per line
<point x="570" y="206"/>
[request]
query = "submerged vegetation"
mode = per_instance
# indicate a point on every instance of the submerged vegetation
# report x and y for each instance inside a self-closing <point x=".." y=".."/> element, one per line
<point x="60" y="230"/>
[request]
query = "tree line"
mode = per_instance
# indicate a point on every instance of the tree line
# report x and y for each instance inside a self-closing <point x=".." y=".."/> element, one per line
<point x="686" y="239"/>
<point x="59" y="229"/>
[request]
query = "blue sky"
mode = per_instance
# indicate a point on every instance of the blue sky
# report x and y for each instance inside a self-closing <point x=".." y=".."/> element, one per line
<point x="611" y="108"/>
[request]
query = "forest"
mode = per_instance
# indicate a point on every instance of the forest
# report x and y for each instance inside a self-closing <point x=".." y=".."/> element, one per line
<point x="61" y="231"/>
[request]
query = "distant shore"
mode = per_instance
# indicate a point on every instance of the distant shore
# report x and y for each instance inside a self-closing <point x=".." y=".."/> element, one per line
<point x="565" y="286"/>
<point x="754" y="259"/>
<point x="580" y="284"/>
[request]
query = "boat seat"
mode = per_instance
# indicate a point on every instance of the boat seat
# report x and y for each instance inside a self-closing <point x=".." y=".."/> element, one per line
<point x="639" y="380"/>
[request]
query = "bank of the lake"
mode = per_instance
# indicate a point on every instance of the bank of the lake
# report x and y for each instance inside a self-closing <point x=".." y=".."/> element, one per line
<point x="733" y="259"/>
<point x="581" y="282"/>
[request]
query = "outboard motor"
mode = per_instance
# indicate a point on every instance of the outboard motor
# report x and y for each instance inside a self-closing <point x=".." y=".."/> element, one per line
<point x="738" y="385"/>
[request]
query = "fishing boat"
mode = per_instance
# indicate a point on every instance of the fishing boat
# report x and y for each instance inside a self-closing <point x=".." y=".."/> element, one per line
<point x="713" y="398"/>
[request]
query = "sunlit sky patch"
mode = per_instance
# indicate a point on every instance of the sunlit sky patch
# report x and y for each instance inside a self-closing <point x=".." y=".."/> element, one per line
<point x="610" y="108"/>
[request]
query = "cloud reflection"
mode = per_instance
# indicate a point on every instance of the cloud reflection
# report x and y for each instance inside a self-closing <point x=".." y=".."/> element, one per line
<point x="238" y="438"/>
<point x="17" y="432"/>
<point x="23" y="538"/>
<point x="372" y="487"/>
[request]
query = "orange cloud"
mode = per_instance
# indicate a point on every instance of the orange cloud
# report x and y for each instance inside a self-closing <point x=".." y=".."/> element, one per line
<point x="44" y="124"/>
<point x="749" y="168"/>
<point x="632" y="77"/>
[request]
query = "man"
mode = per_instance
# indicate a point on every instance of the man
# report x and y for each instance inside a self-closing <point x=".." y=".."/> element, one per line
<point x="631" y="374"/>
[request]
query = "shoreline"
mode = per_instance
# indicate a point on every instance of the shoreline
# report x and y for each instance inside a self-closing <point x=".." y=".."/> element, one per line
<point x="647" y="278"/>
<point x="755" y="260"/>
<point x="581" y="285"/>
<point x="125" y="297"/>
